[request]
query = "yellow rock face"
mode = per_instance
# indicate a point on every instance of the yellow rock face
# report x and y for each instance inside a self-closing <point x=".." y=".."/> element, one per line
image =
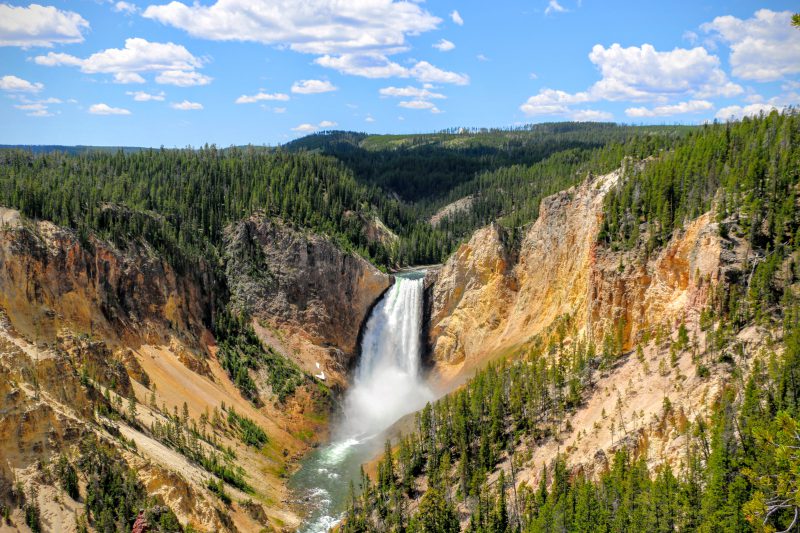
<point x="489" y="299"/>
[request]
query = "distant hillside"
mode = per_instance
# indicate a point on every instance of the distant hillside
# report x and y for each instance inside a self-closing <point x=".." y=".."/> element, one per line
<point x="73" y="150"/>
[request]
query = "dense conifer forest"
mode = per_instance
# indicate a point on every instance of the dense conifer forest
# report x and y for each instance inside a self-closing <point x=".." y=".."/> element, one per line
<point x="738" y="473"/>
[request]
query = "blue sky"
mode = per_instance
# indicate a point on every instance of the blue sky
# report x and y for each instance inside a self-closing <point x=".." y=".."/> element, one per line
<point x="155" y="72"/>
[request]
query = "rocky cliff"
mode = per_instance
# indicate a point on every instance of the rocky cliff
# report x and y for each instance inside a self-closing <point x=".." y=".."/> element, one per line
<point x="100" y="341"/>
<point x="496" y="298"/>
<point x="493" y="296"/>
<point x="307" y="297"/>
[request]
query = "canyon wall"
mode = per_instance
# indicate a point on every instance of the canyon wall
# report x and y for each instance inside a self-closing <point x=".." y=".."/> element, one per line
<point x="308" y="298"/>
<point x="89" y="328"/>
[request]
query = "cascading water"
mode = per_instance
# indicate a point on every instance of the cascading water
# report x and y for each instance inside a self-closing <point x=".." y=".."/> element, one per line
<point x="386" y="386"/>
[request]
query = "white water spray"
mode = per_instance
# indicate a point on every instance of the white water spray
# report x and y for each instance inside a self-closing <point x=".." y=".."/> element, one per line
<point x="387" y="385"/>
<point x="387" y="382"/>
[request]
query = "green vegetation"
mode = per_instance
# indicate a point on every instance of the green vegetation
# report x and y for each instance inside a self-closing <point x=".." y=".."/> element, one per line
<point x="739" y="470"/>
<point x="114" y="495"/>
<point x="249" y="432"/>
<point x="240" y="351"/>
<point x="198" y="446"/>
<point x="748" y="170"/>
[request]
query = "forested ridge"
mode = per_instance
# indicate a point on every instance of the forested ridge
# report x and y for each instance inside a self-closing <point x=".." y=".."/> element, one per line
<point x="739" y="470"/>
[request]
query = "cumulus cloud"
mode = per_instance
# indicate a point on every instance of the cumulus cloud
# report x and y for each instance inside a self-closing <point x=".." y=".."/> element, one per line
<point x="310" y="128"/>
<point x="18" y="85"/>
<point x="38" y="25"/>
<point x="420" y="104"/>
<point x="183" y="78"/>
<point x="456" y="17"/>
<point x="175" y="64"/>
<point x="262" y="96"/>
<point x="763" y="48"/>
<point x="105" y="109"/>
<point x="590" y="115"/>
<point x="736" y="112"/>
<point x="641" y="74"/>
<point x="425" y="72"/>
<point x="379" y="66"/>
<point x="141" y="96"/>
<point x="36" y="108"/>
<point x="419" y="97"/>
<point x="126" y="7"/>
<point x="186" y="105"/>
<point x="691" y="106"/>
<point x="365" y="65"/>
<point x="128" y="77"/>
<point x="444" y="45"/>
<point x="355" y="38"/>
<point x="421" y="93"/>
<point x="313" y="26"/>
<point x="554" y="7"/>
<point x="312" y="87"/>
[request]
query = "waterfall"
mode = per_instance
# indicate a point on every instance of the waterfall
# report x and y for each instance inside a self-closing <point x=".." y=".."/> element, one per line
<point x="387" y="382"/>
<point x="386" y="386"/>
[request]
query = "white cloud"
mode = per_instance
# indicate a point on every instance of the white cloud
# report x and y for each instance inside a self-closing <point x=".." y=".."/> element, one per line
<point x="38" y="25"/>
<point x="128" y="77"/>
<point x="369" y="118"/>
<point x="554" y="7"/>
<point x="444" y="45"/>
<point x="553" y="102"/>
<point x="641" y="74"/>
<point x="481" y="57"/>
<point x="35" y="110"/>
<point x="735" y="112"/>
<point x="365" y="65"/>
<point x="141" y="96"/>
<point x="126" y="7"/>
<point x="763" y="48"/>
<point x="183" y="78"/>
<point x="15" y="84"/>
<point x="691" y="106"/>
<point x="262" y="96"/>
<point x="379" y="66"/>
<point x="410" y="92"/>
<point x="305" y="128"/>
<point x="279" y="110"/>
<point x="425" y="72"/>
<point x="186" y="105"/>
<point x="310" y="128"/>
<point x="175" y="64"/>
<point x="456" y="17"/>
<point x="105" y="109"/>
<point x="590" y="115"/>
<point x="312" y="87"/>
<point x="420" y="104"/>
<point x="312" y="26"/>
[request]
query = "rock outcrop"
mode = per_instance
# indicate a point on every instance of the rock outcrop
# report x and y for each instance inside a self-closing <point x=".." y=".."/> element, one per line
<point x="308" y="298"/>
<point x="492" y="296"/>
<point x="91" y="332"/>
<point x="50" y="279"/>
